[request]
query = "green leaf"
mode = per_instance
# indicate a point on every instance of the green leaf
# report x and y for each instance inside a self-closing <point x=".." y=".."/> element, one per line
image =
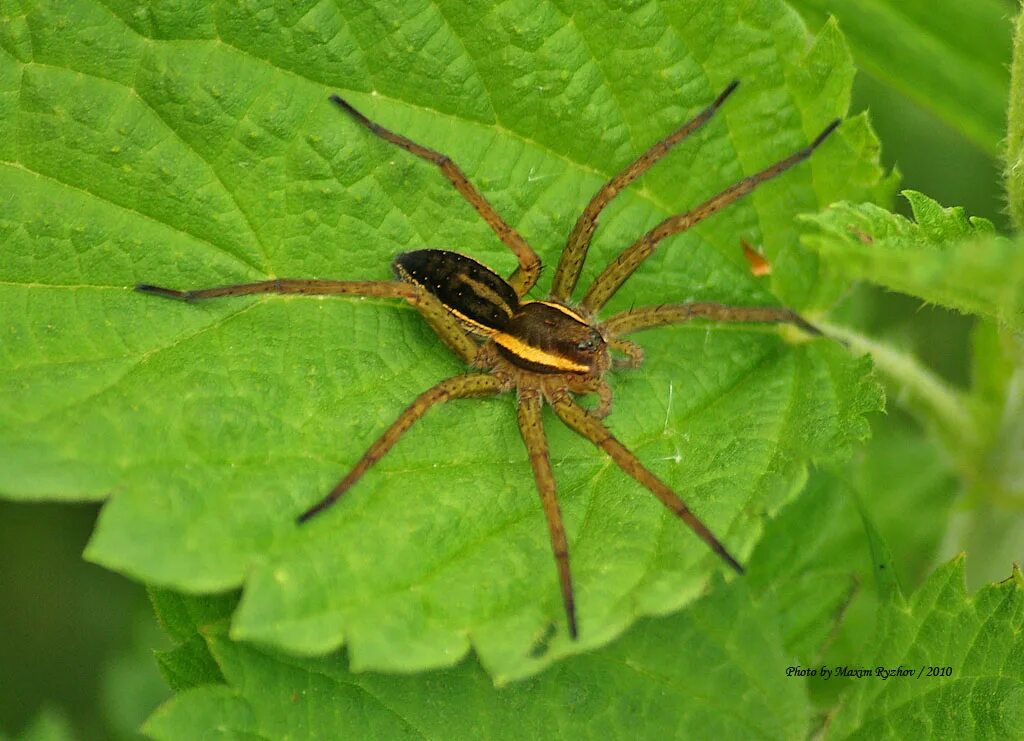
<point x="718" y="667"/>
<point x="906" y="487"/>
<point x="193" y="145"/>
<point x="331" y="700"/>
<point x="819" y="560"/>
<point x="943" y="256"/>
<point x="948" y="56"/>
<point x="651" y="674"/>
<point x="186" y="620"/>
<point x="810" y="564"/>
<point x="977" y="637"/>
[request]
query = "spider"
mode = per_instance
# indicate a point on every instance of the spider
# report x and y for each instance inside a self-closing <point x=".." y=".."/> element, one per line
<point x="546" y="351"/>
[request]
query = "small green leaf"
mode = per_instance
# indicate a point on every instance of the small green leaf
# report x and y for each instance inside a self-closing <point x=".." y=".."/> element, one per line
<point x="977" y="638"/>
<point x="944" y="257"/>
<point x="189" y="664"/>
<point x="948" y="56"/>
<point x="193" y="144"/>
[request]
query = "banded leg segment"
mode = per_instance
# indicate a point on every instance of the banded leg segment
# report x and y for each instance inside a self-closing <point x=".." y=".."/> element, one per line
<point x="440" y="319"/>
<point x="458" y="387"/>
<point x="593" y="430"/>
<point x="635" y="320"/>
<point x="613" y="276"/>
<point x="578" y="244"/>
<point x="532" y="429"/>
<point x="382" y="288"/>
<point x="525" y="276"/>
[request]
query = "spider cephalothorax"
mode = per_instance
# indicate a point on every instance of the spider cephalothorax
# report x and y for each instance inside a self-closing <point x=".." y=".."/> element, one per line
<point x="546" y="351"/>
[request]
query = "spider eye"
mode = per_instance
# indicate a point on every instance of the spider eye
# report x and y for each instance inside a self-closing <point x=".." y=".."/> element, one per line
<point x="585" y="345"/>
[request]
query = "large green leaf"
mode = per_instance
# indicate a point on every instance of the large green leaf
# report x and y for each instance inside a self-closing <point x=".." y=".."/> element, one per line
<point x="948" y="56"/>
<point x="194" y="145"/>
<point x="724" y="666"/>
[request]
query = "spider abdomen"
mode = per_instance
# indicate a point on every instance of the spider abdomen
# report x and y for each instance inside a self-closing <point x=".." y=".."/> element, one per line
<point x="546" y="337"/>
<point x="476" y="295"/>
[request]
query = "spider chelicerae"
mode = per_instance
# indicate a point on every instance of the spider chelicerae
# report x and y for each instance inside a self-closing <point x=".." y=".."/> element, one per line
<point x="546" y="351"/>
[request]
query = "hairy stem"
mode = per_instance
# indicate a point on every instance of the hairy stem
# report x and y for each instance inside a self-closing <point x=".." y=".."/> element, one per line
<point x="944" y="404"/>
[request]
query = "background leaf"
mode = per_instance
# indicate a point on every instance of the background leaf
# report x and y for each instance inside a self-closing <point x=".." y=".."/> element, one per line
<point x="196" y="147"/>
<point x="947" y="56"/>
<point x="977" y="637"/>
<point x="945" y="257"/>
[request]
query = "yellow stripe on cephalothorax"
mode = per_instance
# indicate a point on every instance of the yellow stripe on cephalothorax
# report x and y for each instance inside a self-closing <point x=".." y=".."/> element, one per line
<point x="537" y="355"/>
<point x="565" y="310"/>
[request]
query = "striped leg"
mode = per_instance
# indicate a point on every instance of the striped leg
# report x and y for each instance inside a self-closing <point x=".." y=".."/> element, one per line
<point x="530" y="425"/>
<point x="525" y="276"/>
<point x="586" y="425"/>
<point x="655" y="316"/>
<point x="458" y="387"/>
<point x="439" y="319"/>
<point x="575" y="252"/>
<point x="613" y="276"/>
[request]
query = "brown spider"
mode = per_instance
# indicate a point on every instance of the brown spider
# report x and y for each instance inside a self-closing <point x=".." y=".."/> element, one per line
<point x="546" y="351"/>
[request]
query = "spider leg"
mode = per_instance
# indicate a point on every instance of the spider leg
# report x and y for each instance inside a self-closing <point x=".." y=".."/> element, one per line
<point x="440" y="320"/>
<point x="586" y="425"/>
<point x="613" y="276"/>
<point x="633" y="352"/>
<point x="457" y="387"/>
<point x="537" y="446"/>
<point x="525" y="276"/>
<point x="604" y="399"/>
<point x="575" y="252"/>
<point x="655" y="316"/>
<point x="383" y="288"/>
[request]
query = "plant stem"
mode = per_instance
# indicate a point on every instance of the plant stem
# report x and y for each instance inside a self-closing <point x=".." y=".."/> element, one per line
<point x="943" y="403"/>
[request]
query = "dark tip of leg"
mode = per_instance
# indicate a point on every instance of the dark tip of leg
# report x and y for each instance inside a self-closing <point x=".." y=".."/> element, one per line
<point x="732" y="562"/>
<point x="306" y="515"/>
<point x="165" y="292"/>
<point x="345" y="105"/>
<point x="730" y="88"/>
<point x="350" y="110"/>
<point x="318" y="508"/>
<point x="805" y="325"/>
<point x="825" y="134"/>
<point x="573" y="633"/>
